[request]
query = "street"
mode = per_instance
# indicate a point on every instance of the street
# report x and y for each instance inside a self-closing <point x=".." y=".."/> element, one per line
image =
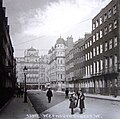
<point x="40" y="101"/>
<point x="95" y="108"/>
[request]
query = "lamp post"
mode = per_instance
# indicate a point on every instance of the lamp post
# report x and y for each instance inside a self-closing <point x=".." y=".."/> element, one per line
<point x="25" y="91"/>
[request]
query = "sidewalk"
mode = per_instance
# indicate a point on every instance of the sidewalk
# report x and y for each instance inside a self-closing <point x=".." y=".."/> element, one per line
<point x="17" y="109"/>
<point x="103" y="97"/>
<point x="98" y="96"/>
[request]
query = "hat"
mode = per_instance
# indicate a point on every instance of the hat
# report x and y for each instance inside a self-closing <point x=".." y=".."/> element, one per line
<point x="49" y="87"/>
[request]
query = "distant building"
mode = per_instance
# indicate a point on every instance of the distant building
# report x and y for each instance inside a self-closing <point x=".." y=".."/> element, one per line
<point x="31" y="61"/>
<point x="43" y="75"/>
<point x="57" y="62"/>
<point x="36" y="69"/>
<point x="75" y="64"/>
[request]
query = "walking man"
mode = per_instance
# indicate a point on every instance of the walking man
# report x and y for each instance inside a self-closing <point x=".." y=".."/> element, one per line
<point x="49" y="95"/>
<point x="66" y="93"/>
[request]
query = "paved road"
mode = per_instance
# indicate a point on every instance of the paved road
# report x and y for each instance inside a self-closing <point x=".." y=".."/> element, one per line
<point x="40" y="102"/>
<point x="104" y="108"/>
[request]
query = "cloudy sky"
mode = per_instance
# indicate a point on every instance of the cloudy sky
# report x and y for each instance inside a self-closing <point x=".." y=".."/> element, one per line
<point x="39" y="23"/>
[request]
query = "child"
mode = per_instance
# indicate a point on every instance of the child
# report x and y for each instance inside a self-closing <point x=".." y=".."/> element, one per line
<point x="72" y="103"/>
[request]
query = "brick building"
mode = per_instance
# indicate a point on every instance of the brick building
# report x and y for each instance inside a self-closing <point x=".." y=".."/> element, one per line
<point x="97" y="57"/>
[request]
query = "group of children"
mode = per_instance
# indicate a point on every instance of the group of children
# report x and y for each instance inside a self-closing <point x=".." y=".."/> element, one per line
<point x="77" y="99"/>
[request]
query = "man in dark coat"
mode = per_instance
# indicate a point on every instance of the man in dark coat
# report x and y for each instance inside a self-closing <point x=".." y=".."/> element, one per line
<point x="81" y="101"/>
<point x="49" y="95"/>
<point x="66" y="93"/>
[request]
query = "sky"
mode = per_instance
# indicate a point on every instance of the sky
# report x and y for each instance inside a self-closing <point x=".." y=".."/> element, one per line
<point x="39" y="23"/>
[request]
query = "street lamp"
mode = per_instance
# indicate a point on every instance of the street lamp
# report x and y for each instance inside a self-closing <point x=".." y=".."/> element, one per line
<point x="25" y="93"/>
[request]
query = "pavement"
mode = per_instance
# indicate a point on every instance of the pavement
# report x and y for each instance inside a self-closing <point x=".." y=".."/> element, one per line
<point x="17" y="109"/>
<point x="98" y="96"/>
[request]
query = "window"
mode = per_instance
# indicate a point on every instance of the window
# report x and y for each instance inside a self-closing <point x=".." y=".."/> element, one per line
<point x="101" y="34"/>
<point x="97" y="36"/>
<point x="115" y="41"/>
<point x="86" y="46"/>
<point x="93" y="51"/>
<point x="106" y="46"/>
<point x="90" y="69"/>
<point x="110" y="27"/>
<point x="105" y="30"/>
<point x="115" y="61"/>
<point x="90" y="54"/>
<point x="58" y="61"/>
<point x="101" y="65"/>
<point x="83" y="47"/>
<point x="90" y="42"/>
<point x="94" y="68"/>
<point x="97" y="66"/>
<point x="105" y="17"/>
<point x="97" y="23"/>
<point x="114" y="9"/>
<point x="86" y="70"/>
<point x="110" y="44"/>
<point x="100" y="20"/>
<point x="61" y="76"/>
<point x="106" y="63"/>
<point x="93" y="26"/>
<point x="101" y="48"/>
<point x="86" y="57"/>
<point x="93" y="38"/>
<point x="115" y="24"/>
<point x="109" y="13"/>
<point x="97" y="50"/>
<point x="61" y="61"/>
<point x="110" y="62"/>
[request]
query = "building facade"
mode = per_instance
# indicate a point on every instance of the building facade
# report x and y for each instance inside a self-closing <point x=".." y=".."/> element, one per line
<point x="97" y="70"/>
<point x="43" y="75"/>
<point x="57" y="63"/>
<point x="31" y="61"/>
<point x="37" y="76"/>
<point x="7" y="61"/>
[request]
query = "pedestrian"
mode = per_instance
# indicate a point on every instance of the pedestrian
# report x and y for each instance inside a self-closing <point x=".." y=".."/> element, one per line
<point x="72" y="103"/>
<point x="77" y="94"/>
<point x="115" y="91"/>
<point x="49" y="95"/>
<point x="22" y="91"/>
<point x="66" y="93"/>
<point x="81" y="99"/>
